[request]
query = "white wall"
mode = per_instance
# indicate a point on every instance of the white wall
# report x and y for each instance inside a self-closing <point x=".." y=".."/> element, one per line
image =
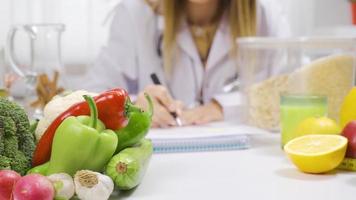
<point x="317" y="17"/>
<point x="329" y="13"/>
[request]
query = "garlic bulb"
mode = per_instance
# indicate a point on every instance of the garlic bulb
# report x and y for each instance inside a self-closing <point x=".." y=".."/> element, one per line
<point x="63" y="184"/>
<point x="91" y="185"/>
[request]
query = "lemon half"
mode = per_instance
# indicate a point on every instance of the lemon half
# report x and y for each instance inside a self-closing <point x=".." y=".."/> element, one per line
<point x="317" y="153"/>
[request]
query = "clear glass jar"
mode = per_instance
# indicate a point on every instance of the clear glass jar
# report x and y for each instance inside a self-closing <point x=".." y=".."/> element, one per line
<point x="43" y="72"/>
<point x="269" y="67"/>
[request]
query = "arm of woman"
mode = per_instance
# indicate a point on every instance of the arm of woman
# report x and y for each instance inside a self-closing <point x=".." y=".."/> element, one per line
<point x="222" y="107"/>
<point x="163" y="105"/>
<point x="206" y="113"/>
<point x="116" y="64"/>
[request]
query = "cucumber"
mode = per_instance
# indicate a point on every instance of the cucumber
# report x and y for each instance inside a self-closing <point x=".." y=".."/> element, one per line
<point x="128" y="167"/>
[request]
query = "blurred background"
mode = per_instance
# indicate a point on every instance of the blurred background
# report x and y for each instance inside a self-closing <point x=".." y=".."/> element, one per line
<point x="88" y="21"/>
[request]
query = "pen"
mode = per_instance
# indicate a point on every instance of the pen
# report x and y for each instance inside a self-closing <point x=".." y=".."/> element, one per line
<point x="156" y="81"/>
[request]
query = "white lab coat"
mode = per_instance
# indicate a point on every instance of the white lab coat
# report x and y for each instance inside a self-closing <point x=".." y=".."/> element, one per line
<point x="131" y="55"/>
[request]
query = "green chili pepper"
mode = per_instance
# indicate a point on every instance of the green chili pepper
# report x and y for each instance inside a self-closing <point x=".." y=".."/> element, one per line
<point x="82" y="143"/>
<point x="128" y="167"/>
<point x="33" y="126"/>
<point x="137" y="127"/>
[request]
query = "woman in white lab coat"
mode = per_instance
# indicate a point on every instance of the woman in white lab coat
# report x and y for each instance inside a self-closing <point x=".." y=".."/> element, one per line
<point x="189" y="46"/>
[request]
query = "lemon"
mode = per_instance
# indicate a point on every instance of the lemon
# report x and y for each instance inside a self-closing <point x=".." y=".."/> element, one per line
<point x="348" y="108"/>
<point x="317" y="153"/>
<point x="314" y="125"/>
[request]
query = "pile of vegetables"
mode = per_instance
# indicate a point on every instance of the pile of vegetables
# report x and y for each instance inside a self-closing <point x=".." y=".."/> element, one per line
<point x="88" y="185"/>
<point x="86" y="149"/>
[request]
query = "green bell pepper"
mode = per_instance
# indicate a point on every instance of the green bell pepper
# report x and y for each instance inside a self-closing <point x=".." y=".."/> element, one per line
<point x="137" y="127"/>
<point x="82" y="143"/>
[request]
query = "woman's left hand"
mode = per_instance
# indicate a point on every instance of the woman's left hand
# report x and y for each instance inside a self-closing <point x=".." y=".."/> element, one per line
<point x="202" y="114"/>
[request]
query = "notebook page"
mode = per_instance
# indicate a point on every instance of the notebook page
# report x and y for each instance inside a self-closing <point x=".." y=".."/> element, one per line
<point x="202" y="131"/>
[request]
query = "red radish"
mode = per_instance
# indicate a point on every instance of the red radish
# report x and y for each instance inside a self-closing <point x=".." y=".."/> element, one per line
<point x="33" y="187"/>
<point x="8" y="178"/>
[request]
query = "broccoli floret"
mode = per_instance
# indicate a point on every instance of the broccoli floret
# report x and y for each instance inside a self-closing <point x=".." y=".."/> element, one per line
<point x="5" y="162"/>
<point x="2" y="146"/>
<point x="16" y="141"/>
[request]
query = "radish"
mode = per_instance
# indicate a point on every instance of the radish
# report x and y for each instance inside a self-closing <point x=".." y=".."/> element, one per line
<point x="8" y="178"/>
<point x="33" y="187"/>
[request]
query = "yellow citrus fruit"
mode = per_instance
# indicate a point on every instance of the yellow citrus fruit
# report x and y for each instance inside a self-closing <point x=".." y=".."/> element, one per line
<point x="317" y="153"/>
<point x="348" y="108"/>
<point x="314" y="125"/>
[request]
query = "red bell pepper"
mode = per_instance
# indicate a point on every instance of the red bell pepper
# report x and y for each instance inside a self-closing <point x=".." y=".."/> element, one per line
<point x="113" y="107"/>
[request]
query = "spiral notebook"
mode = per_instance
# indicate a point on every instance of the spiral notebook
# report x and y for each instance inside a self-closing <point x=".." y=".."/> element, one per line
<point x="212" y="137"/>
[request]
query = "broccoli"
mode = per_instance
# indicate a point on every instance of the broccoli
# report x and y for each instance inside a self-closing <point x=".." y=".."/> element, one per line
<point x="17" y="143"/>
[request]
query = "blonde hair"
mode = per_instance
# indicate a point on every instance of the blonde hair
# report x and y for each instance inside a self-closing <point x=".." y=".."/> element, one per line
<point x="241" y="15"/>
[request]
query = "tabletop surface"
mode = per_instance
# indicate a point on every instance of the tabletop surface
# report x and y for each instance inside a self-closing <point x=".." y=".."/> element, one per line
<point x="261" y="172"/>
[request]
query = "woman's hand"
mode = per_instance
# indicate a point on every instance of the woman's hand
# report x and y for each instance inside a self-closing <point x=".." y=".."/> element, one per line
<point x="163" y="104"/>
<point x="203" y="114"/>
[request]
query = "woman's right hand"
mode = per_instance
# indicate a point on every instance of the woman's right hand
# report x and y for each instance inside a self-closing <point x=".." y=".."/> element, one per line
<point x="163" y="104"/>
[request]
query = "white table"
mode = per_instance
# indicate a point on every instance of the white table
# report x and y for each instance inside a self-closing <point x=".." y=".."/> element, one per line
<point x="262" y="172"/>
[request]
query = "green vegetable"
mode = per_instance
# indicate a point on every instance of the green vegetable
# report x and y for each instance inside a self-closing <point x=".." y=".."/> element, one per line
<point x="136" y="129"/>
<point x="17" y="143"/>
<point x="128" y="167"/>
<point x="33" y="126"/>
<point x="82" y="143"/>
<point x="40" y="169"/>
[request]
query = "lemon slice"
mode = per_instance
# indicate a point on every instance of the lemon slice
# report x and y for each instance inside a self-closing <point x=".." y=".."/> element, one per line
<point x="317" y="153"/>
